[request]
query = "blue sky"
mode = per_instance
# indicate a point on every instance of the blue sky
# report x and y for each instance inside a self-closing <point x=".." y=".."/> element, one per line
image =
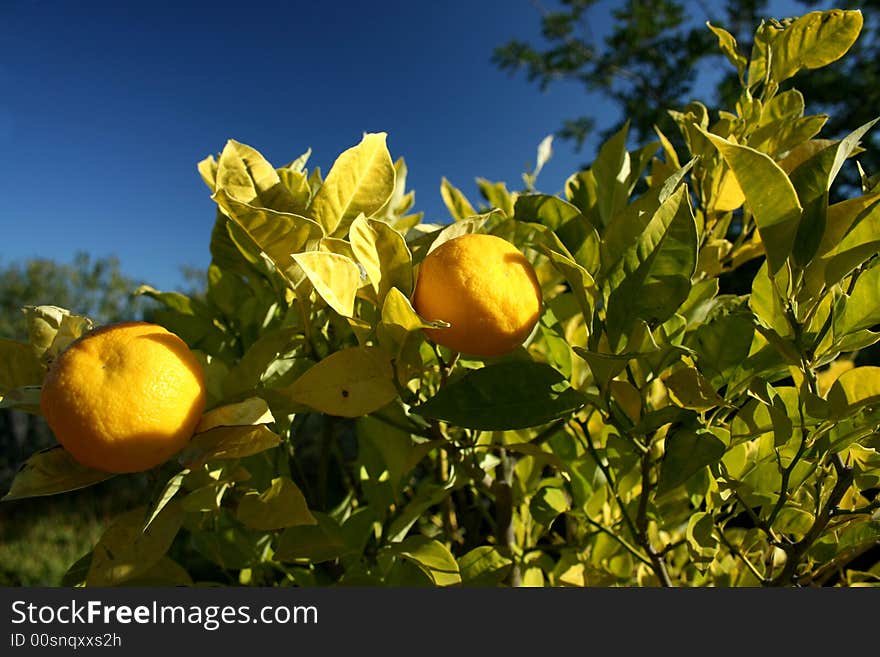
<point x="107" y="107"/>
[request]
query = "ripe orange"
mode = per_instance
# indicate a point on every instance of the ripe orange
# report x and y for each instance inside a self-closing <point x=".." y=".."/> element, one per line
<point x="485" y="288"/>
<point x="124" y="397"/>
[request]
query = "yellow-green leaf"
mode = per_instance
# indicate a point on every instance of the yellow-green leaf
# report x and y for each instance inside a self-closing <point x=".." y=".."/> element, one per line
<point x="244" y="175"/>
<point x="126" y="550"/>
<point x="248" y="412"/>
<point x="349" y="383"/>
<point x="279" y="235"/>
<point x="335" y="277"/>
<point x="281" y="505"/>
<point x="770" y="195"/>
<point x="18" y="366"/>
<point x="814" y="40"/>
<point x="855" y="388"/>
<point x="51" y="329"/>
<point x="384" y="255"/>
<point x="690" y="389"/>
<point x="457" y="203"/>
<point x="52" y="471"/>
<point x="361" y="180"/>
<point x="432" y="557"/>
<point x="228" y="443"/>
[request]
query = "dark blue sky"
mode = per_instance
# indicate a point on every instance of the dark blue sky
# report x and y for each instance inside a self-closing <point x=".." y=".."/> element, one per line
<point x="106" y="108"/>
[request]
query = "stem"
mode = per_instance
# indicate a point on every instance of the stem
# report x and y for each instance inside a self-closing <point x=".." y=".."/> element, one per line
<point x="629" y="548"/>
<point x="797" y="551"/>
<point x="504" y="514"/>
<point x="658" y="565"/>
<point x="737" y="553"/>
<point x="450" y="520"/>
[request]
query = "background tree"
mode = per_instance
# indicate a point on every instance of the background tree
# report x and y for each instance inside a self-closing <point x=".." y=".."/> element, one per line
<point x="651" y="58"/>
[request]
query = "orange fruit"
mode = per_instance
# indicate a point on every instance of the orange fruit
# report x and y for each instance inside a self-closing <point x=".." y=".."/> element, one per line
<point x="124" y="397"/>
<point x="485" y="288"/>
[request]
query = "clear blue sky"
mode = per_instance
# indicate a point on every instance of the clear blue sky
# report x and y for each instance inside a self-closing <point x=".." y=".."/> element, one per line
<point x="106" y="107"/>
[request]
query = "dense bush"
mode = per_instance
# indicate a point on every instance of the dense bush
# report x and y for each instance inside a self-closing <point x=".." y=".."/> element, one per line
<point x="651" y="430"/>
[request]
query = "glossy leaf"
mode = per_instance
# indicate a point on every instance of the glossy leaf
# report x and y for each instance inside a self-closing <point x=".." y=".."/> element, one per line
<point x="349" y="383"/>
<point x="484" y="566"/>
<point x="814" y="40"/>
<point x="227" y="443"/>
<point x="687" y="451"/>
<point x="770" y="196"/>
<point x="279" y="234"/>
<point x="52" y="471"/>
<point x="432" y="557"/>
<point x="506" y="395"/>
<point x="456" y="202"/>
<point x="653" y="278"/>
<point x="248" y="412"/>
<point x="383" y="253"/>
<point x="360" y="181"/>
<point x="335" y="277"/>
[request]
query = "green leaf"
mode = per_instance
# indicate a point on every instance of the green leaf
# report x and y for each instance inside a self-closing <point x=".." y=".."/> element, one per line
<point x="52" y="329"/>
<point x="582" y="285"/>
<point x="432" y="557"/>
<point x="281" y="505"/>
<point x="861" y="308"/>
<point x="855" y="239"/>
<point x="611" y="169"/>
<point x="771" y="197"/>
<point x="687" y="452"/>
<point x="227" y="443"/>
<point x="349" y="383"/>
<point x="572" y="228"/>
<point x="52" y="471"/>
<point x="314" y="543"/>
<point x="814" y="40"/>
<point x="19" y="366"/>
<point x="244" y="175"/>
<point x="505" y="395"/>
<point x="127" y="550"/>
<point x="384" y="255"/>
<point x="701" y="541"/>
<point x="457" y="203"/>
<point x="854" y="389"/>
<point x="653" y="278"/>
<point x="360" y="181"/>
<point x="690" y="389"/>
<point x="168" y="492"/>
<point x="251" y="411"/>
<point x="484" y="566"/>
<point x="497" y="195"/>
<point x="812" y="179"/>
<point x="335" y="277"/>
<point x="727" y="44"/>
<point x="548" y="503"/>
<point x="280" y="235"/>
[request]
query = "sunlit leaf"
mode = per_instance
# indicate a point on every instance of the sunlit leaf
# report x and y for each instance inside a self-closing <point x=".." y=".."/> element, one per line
<point x="769" y="194"/>
<point x="349" y="383"/>
<point x="335" y="277"/>
<point x="281" y="505"/>
<point x="361" y="180"/>
<point x="384" y="255"/>
<point x="52" y="471"/>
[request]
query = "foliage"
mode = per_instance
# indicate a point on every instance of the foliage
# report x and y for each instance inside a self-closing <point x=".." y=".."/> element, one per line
<point x="650" y="59"/>
<point x="650" y="431"/>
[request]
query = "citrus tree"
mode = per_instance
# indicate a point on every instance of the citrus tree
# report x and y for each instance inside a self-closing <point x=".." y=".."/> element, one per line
<point x="549" y="390"/>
